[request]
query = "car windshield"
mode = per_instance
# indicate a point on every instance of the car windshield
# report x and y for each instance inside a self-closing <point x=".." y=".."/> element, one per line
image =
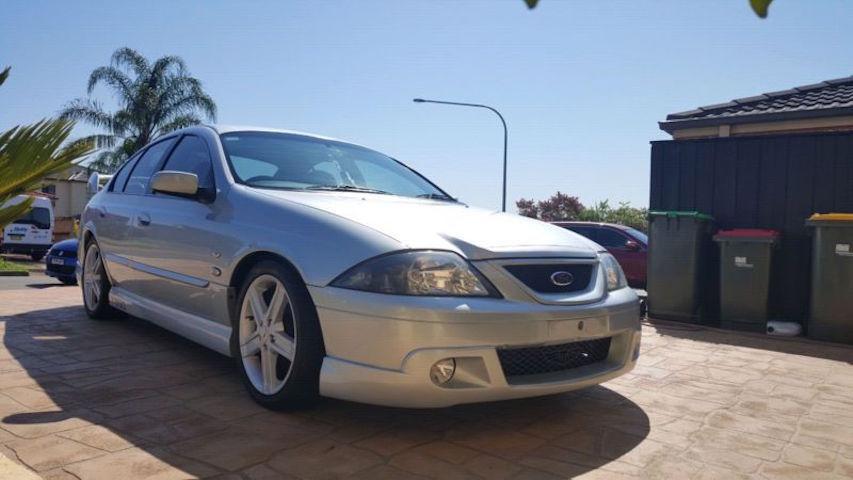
<point x="296" y="162"/>
<point x="638" y="235"/>
<point x="38" y="216"/>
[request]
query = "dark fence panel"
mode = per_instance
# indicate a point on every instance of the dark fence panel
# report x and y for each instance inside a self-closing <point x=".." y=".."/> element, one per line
<point x="760" y="182"/>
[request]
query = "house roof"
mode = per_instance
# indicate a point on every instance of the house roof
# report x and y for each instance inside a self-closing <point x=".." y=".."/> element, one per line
<point x="828" y="98"/>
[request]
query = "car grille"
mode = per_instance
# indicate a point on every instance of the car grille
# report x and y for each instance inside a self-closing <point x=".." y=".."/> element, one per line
<point x="62" y="269"/>
<point x="539" y="277"/>
<point x="553" y="358"/>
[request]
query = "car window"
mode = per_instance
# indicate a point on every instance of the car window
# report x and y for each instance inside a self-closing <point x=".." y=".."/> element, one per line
<point x="145" y="166"/>
<point x="37" y="216"/>
<point x="380" y="177"/>
<point x="609" y="238"/>
<point x="191" y="156"/>
<point x="287" y="161"/>
<point x="642" y="237"/>
<point x="120" y="179"/>
<point x="587" y="232"/>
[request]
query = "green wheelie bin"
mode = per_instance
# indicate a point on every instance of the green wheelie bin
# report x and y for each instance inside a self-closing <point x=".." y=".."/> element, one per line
<point x="831" y="315"/>
<point x="679" y="261"/>
<point x="746" y="263"/>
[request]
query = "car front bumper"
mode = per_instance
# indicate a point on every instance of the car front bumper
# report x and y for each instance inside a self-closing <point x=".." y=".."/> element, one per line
<point x="380" y="348"/>
<point x="65" y="271"/>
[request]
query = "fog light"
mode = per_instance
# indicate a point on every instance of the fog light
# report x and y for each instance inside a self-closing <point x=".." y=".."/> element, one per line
<point x="442" y="371"/>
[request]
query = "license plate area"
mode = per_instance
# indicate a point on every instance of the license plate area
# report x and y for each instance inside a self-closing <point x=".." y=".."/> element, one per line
<point x="57" y="261"/>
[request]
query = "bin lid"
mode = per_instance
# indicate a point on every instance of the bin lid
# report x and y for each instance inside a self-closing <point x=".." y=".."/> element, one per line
<point x="831" y="217"/>
<point x="678" y="213"/>
<point x="747" y="235"/>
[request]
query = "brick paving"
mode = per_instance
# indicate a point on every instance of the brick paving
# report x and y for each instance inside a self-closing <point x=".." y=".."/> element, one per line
<point x="126" y="400"/>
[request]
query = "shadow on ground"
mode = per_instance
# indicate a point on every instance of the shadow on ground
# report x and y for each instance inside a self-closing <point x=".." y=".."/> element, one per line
<point x="787" y="345"/>
<point x="112" y="399"/>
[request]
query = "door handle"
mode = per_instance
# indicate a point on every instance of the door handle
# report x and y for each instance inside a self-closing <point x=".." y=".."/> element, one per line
<point x="143" y="219"/>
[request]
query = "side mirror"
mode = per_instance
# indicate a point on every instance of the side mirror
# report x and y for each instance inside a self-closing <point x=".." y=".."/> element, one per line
<point x="94" y="183"/>
<point x="175" y="183"/>
<point x="632" y="246"/>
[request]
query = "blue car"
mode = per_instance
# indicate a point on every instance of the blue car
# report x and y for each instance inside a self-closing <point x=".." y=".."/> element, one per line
<point x="61" y="261"/>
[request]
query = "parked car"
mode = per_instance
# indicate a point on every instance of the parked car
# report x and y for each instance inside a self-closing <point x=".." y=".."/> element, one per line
<point x="629" y="245"/>
<point x="32" y="233"/>
<point x="61" y="261"/>
<point x="326" y="268"/>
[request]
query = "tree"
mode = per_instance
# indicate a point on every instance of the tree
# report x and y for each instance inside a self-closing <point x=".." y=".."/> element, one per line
<point x="559" y="207"/>
<point x="624" y="214"/>
<point x="153" y="98"/>
<point x="29" y="153"/>
<point x="564" y="207"/>
<point x="758" y="6"/>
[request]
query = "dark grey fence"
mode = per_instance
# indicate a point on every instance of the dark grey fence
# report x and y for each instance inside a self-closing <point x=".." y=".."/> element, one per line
<point x="773" y="182"/>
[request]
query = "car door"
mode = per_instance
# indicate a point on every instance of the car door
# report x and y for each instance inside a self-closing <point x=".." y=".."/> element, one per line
<point x="180" y="235"/>
<point x="122" y="212"/>
<point x="630" y="258"/>
<point x="112" y="215"/>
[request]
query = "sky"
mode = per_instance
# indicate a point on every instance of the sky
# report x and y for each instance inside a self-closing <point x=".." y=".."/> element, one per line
<point x="582" y="84"/>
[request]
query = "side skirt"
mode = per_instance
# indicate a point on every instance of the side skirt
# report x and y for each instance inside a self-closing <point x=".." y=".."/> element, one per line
<point x="200" y="330"/>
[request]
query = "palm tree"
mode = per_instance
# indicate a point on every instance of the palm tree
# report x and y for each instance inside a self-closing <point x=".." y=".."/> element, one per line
<point x="29" y="153"/>
<point x="154" y="98"/>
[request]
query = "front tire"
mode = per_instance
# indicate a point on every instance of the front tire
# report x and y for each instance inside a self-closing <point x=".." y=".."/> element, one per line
<point x="96" y="285"/>
<point x="276" y="338"/>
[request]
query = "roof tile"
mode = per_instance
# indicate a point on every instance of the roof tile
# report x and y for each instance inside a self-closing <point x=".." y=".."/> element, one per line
<point x="837" y="93"/>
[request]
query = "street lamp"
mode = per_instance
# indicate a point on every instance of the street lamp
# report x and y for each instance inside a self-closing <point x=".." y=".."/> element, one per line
<point x="503" y="122"/>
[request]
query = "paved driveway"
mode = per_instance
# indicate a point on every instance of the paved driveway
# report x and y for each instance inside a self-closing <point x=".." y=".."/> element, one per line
<point x="125" y="400"/>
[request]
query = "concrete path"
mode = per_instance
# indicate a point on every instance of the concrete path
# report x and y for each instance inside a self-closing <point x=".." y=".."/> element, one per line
<point x="122" y="399"/>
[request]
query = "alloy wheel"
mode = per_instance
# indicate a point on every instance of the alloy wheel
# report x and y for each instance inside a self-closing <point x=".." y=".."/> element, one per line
<point x="92" y="269"/>
<point x="267" y="334"/>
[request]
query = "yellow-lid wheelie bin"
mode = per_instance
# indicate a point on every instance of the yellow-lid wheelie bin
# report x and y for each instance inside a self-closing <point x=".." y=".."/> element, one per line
<point x="831" y="312"/>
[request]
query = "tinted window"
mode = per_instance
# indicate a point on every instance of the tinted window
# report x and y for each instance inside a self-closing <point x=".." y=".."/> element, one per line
<point x="191" y="156"/>
<point x="121" y="176"/>
<point x="587" y="232"/>
<point x="145" y="166"/>
<point x="611" y="238"/>
<point x="38" y="216"/>
<point x="642" y="237"/>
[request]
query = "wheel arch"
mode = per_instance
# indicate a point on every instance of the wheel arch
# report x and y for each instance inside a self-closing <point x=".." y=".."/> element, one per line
<point x="245" y="264"/>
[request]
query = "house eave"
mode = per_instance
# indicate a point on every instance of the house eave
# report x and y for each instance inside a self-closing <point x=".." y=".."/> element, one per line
<point x="671" y="126"/>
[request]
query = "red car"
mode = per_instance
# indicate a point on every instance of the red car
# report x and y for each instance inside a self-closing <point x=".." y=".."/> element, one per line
<point x="627" y="244"/>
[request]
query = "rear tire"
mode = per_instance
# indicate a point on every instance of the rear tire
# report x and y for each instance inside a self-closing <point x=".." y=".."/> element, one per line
<point x="279" y="356"/>
<point x="96" y="285"/>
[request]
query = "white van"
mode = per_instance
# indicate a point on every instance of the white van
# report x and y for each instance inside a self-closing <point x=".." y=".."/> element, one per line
<point x="31" y="234"/>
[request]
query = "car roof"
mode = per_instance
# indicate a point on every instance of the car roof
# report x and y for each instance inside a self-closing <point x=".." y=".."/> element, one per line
<point x="248" y="128"/>
<point x="591" y="224"/>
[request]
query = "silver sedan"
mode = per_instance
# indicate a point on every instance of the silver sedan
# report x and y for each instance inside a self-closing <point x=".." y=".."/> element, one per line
<point x="329" y="269"/>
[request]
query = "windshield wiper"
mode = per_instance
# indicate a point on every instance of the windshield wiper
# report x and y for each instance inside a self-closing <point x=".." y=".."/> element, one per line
<point x="346" y="188"/>
<point x="438" y="196"/>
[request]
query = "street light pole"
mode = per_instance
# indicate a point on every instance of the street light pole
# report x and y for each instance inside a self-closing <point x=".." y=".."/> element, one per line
<point x="503" y="122"/>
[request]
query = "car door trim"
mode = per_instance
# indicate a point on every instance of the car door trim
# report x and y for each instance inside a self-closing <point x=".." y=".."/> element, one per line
<point x="159" y="272"/>
<point x="206" y="332"/>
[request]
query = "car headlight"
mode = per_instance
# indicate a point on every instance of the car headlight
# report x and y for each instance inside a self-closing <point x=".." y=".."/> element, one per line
<point x="427" y="273"/>
<point x="612" y="272"/>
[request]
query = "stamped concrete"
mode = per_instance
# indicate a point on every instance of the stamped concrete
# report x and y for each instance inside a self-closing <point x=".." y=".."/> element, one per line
<point x="81" y="399"/>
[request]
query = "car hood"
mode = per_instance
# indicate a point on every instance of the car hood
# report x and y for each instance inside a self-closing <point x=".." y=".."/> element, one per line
<point x="66" y="245"/>
<point x="430" y="224"/>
